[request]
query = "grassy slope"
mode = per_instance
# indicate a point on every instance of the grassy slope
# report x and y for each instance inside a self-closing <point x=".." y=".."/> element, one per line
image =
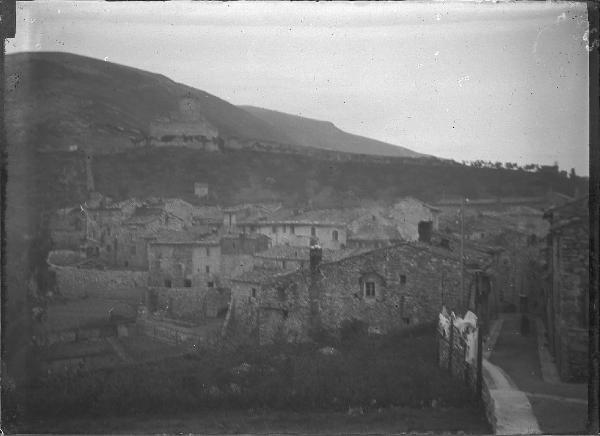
<point x="59" y="99"/>
<point x="323" y="134"/>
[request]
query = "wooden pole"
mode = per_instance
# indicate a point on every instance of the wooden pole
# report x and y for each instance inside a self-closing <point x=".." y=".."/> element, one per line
<point x="462" y="250"/>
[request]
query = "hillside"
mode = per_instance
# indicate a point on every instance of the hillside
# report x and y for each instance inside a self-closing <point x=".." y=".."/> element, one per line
<point x="58" y="100"/>
<point x="325" y="135"/>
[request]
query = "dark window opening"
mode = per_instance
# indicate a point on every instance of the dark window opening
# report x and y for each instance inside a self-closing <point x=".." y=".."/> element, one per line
<point x="167" y="283"/>
<point x="425" y="228"/>
<point x="313" y="231"/>
<point x="126" y="263"/>
<point x="402" y="279"/>
<point x="253" y="292"/>
<point x="445" y="243"/>
<point x="274" y="229"/>
<point x="370" y="289"/>
<point x="133" y="250"/>
<point x="187" y="283"/>
<point x="406" y="320"/>
<point x="334" y="235"/>
<point x="292" y="229"/>
<point x="208" y="249"/>
<point x="210" y="284"/>
<point x="283" y="264"/>
<point x="207" y="269"/>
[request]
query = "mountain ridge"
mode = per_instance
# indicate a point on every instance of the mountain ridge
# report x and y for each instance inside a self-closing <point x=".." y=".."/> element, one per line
<point x="105" y="107"/>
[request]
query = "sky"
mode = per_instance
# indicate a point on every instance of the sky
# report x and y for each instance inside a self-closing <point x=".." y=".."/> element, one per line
<point x="495" y="81"/>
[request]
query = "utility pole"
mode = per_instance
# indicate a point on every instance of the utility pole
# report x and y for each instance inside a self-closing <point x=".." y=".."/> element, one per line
<point x="462" y="250"/>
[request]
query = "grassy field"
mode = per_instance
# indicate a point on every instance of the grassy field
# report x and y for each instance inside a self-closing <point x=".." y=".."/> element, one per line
<point x="389" y="382"/>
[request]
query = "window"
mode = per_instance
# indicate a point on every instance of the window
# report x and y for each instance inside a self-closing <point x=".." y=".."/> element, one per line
<point x="284" y="228"/>
<point x="283" y="264"/>
<point x="402" y="279"/>
<point x="313" y="231"/>
<point x="108" y="248"/>
<point x="187" y="283"/>
<point x="370" y="289"/>
<point x="167" y="283"/>
<point x="132" y="249"/>
<point x="108" y="231"/>
<point x="292" y="229"/>
<point x="253" y="292"/>
<point x="274" y="229"/>
<point x="207" y="269"/>
<point x="406" y="320"/>
<point x="208" y="250"/>
<point x="334" y="235"/>
<point x="210" y="284"/>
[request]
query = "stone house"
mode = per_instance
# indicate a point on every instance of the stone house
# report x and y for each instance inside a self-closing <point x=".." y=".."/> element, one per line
<point x="184" y="259"/>
<point x="567" y="287"/>
<point x="118" y="233"/>
<point x="103" y="222"/>
<point x="387" y="288"/>
<point x="237" y="254"/>
<point x="67" y="228"/>
<point x="200" y="189"/>
<point x="412" y="216"/>
<point x="136" y="232"/>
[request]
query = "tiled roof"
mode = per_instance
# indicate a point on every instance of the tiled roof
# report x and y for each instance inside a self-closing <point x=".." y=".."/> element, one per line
<point x="260" y="275"/>
<point x="288" y="252"/>
<point x="166" y="237"/>
<point x="145" y="215"/>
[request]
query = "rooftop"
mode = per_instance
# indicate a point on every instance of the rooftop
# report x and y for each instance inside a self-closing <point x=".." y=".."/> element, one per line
<point x="288" y="252"/>
<point x="168" y="237"/>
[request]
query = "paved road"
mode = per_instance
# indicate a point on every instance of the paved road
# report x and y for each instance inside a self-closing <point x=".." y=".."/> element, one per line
<point x="558" y="407"/>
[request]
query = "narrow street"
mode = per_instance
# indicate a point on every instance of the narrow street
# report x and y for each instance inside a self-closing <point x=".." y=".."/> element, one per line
<point x="558" y="407"/>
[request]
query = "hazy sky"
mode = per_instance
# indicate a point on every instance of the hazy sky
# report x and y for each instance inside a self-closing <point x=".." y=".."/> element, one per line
<point x="492" y="81"/>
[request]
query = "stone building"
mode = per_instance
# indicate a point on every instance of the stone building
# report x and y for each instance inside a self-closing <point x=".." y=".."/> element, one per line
<point x="67" y="228"/>
<point x="118" y="233"/>
<point x="200" y="189"/>
<point x="237" y="254"/>
<point x="386" y="289"/>
<point x="184" y="259"/>
<point x="103" y="226"/>
<point x="412" y="216"/>
<point x="567" y="287"/>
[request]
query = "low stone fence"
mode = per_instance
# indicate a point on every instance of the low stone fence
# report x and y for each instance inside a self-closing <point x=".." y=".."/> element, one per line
<point x="177" y="333"/>
<point x="82" y="282"/>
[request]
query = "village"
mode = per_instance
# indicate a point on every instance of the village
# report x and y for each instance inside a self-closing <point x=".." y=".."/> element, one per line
<point x="142" y="280"/>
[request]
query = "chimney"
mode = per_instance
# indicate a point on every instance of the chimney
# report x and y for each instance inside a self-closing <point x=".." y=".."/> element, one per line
<point x="314" y="289"/>
<point x="316" y="255"/>
<point x="425" y="231"/>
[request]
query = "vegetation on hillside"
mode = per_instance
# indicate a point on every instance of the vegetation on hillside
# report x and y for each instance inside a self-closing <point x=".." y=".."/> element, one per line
<point x="245" y="176"/>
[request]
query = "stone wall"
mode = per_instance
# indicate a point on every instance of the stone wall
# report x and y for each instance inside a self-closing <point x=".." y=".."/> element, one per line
<point x="414" y="283"/>
<point x="81" y="282"/>
<point x="191" y="304"/>
<point x="567" y="290"/>
<point x="233" y="265"/>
